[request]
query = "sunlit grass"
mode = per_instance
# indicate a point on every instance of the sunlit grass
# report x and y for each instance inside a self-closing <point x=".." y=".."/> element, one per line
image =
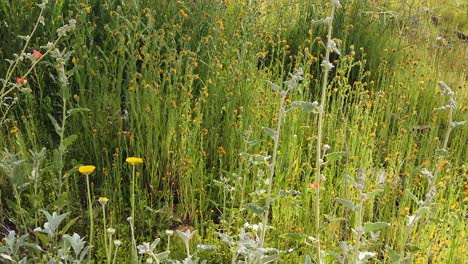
<point x="184" y="86"/>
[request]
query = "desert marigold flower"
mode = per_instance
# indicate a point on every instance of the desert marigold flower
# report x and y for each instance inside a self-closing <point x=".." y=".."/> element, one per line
<point x="20" y="80"/>
<point x="86" y="169"/>
<point x="134" y="160"/>
<point x="37" y="54"/>
<point x="103" y="200"/>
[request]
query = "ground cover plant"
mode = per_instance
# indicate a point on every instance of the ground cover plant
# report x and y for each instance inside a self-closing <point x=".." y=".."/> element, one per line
<point x="233" y="131"/>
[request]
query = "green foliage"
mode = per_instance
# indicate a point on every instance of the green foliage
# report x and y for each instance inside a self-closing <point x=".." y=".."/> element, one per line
<point x="194" y="88"/>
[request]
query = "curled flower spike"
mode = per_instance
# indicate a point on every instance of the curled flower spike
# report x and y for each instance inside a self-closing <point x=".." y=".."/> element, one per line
<point x="103" y="200"/>
<point x="134" y="160"/>
<point x="37" y="54"/>
<point x="20" y="80"/>
<point x="86" y="169"/>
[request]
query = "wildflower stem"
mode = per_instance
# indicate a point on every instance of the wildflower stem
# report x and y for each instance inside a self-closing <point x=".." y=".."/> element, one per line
<point x="132" y="222"/>
<point x="318" y="162"/>
<point x="272" y="167"/>
<point x="106" y="244"/>
<point x="91" y="223"/>
<point x="13" y="65"/>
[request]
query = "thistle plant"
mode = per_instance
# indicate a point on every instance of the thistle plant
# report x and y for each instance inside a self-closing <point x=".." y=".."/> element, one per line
<point x="327" y="67"/>
<point x="424" y="206"/>
<point x="354" y="253"/>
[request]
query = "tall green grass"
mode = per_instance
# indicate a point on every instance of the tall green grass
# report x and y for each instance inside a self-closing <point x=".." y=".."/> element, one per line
<point x="184" y="86"/>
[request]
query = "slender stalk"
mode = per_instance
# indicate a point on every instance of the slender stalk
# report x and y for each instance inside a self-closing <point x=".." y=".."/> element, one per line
<point x="318" y="161"/>
<point x="106" y="244"/>
<point x="132" y="222"/>
<point x="13" y="65"/>
<point x="91" y="223"/>
<point x="272" y="167"/>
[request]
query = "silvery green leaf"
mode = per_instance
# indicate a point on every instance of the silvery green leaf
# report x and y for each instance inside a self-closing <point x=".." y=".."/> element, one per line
<point x="326" y="65"/>
<point x="58" y="129"/>
<point x="457" y="123"/>
<point x="206" y="247"/>
<point x="412" y="247"/>
<point x="225" y="238"/>
<point x="274" y="86"/>
<point x="336" y="256"/>
<point x="162" y="255"/>
<point x="364" y="255"/>
<point x="372" y="227"/>
<point x="331" y="157"/>
<point x="154" y="244"/>
<point x="253" y="142"/>
<point x="33" y="246"/>
<point x="272" y="133"/>
<point x="442" y="152"/>
<point x="289" y="192"/>
<point x="83" y="253"/>
<point x="412" y="196"/>
<point x="372" y="194"/>
<point x="392" y="255"/>
<point x="187" y="235"/>
<point x="77" y="110"/>
<point x="68" y="141"/>
<point x="76" y="242"/>
<point x="54" y="221"/>
<point x="7" y="257"/>
<point x="346" y="203"/>
<point x="308" y="260"/>
<point x="308" y="107"/>
<point x="269" y="259"/>
<point x="25" y="38"/>
<point x="294" y="237"/>
<point x="256" y="209"/>
<point x="337" y="3"/>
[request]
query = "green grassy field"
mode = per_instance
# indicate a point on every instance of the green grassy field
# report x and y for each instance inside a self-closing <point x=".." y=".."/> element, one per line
<point x="281" y="131"/>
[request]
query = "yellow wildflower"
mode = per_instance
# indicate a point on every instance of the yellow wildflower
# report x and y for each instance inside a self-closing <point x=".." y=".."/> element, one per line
<point x="86" y="169"/>
<point x="103" y="200"/>
<point x="134" y="160"/>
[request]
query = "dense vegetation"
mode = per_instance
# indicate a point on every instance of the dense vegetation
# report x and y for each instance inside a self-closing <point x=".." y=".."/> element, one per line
<point x="344" y="132"/>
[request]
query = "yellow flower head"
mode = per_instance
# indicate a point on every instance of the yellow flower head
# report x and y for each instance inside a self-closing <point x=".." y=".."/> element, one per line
<point x="134" y="160"/>
<point x="103" y="200"/>
<point x="86" y="169"/>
